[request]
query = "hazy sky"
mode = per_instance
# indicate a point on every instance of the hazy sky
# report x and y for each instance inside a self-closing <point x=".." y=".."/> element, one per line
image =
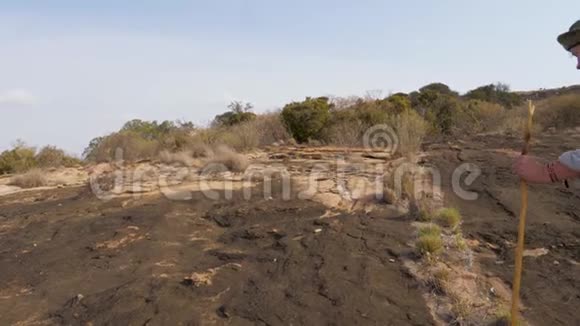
<point x="72" y="70"/>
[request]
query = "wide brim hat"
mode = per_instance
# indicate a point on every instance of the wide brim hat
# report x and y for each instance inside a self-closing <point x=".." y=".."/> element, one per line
<point x="571" y="38"/>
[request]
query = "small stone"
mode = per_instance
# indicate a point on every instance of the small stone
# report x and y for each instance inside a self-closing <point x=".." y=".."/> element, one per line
<point x="556" y="262"/>
<point x="222" y="312"/>
<point x="391" y="260"/>
<point x="317" y="230"/>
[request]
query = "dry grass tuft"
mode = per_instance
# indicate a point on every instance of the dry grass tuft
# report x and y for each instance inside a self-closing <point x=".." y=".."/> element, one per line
<point x="438" y="282"/>
<point x="460" y="242"/>
<point x="184" y="158"/>
<point x="431" y="229"/>
<point x="503" y="317"/>
<point x="559" y="112"/>
<point x="429" y="241"/>
<point x="346" y="133"/>
<point x="449" y="217"/>
<point x="226" y="157"/>
<point x="31" y="179"/>
<point x="411" y="130"/>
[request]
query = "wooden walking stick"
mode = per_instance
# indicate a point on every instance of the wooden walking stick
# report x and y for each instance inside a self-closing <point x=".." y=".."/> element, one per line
<point x="522" y="224"/>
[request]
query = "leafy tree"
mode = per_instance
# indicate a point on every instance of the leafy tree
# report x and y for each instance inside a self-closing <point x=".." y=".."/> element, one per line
<point x="305" y="120"/>
<point x="496" y="93"/>
<point x="148" y="129"/>
<point x="442" y="113"/>
<point x="91" y="149"/>
<point x="438" y="88"/>
<point x="438" y="104"/>
<point x="239" y="112"/>
<point x="400" y="102"/>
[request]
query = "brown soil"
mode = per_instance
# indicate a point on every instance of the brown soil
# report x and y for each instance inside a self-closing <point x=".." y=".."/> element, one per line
<point x="68" y="258"/>
<point x="551" y="283"/>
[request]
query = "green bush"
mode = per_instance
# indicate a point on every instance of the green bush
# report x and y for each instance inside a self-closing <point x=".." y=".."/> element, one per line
<point x="439" y="105"/>
<point x="400" y="102"/>
<point x="498" y="93"/>
<point x="139" y="139"/>
<point x="442" y="114"/>
<point x="19" y="159"/>
<point x="306" y="120"/>
<point x="438" y="88"/>
<point x="239" y="113"/>
<point x="51" y="157"/>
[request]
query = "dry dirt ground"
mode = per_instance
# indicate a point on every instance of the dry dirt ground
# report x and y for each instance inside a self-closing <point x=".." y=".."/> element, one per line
<point x="551" y="283"/>
<point x="68" y="258"/>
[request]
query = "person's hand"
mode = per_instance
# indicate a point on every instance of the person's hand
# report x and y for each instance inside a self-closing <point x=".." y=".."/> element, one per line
<point x="530" y="169"/>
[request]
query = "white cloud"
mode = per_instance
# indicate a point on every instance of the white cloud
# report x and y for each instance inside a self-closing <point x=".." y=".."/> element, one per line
<point x="17" y="97"/>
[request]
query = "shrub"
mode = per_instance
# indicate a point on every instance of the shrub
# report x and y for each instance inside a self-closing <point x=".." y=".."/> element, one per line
<point x="441" y="113"/>
<point x="460" y="242"/>
<point x="233" y="161"/>
<point x="479" y="116"/>
<point x="424" y="216"/>
<point x="140" y="139"/>
<point x="345" y="133"/>
<point x="184" y="158"/>
<point x="239" y="113"/>
<point x="19" y="159"/>
<point x="31" y="179"/>
<point x="429" y="241"/>
<point x="400" y="102"/>
<point x="429" y="244"/>
<point x="439" y="281"/>
<point x="50" y="157"/>
<point x="242" y="137"/>
<point x="130" y="146"/>
<point x="306" y="120"/>
<point x="411" y="130"/>
<point x="449" y="217"/>
<point x="271" y="128"/>
<point x="430" y="230"/>
<point x="514" y="121"/>
<point x="559" y="112"/>
<point x="176" y="140"/>
<point x="438" y="88"/>
<point x="498" y="93"/>
<point x="438" y="104"/>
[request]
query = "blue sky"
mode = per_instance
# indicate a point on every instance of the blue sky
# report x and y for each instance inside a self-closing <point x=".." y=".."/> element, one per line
<point x="73" y="70"/>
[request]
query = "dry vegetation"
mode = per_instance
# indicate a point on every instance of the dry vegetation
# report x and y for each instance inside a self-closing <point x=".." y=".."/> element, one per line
<point x="22" y="158"/>
<point x="31" y="179"/>
<point x="449" y="217"/>
<point x="411" y="130"/>
<point x="225" y="157"/>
